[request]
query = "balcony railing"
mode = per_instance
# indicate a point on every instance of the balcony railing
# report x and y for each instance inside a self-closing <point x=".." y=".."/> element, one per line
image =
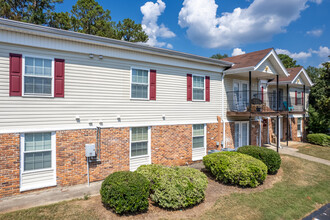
<point x="238" y="101"/>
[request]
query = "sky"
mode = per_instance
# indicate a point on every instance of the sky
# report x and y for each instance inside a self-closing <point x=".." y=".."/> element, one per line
<point x="298" y="28"/>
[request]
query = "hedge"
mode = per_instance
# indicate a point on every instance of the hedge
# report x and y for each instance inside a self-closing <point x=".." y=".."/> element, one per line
<point x="175" y="187"/>
<point x="319" y="139"/>
<point x="126" y="192"/>
<point x="271" y="158"/>
<point x="236" y="168"/>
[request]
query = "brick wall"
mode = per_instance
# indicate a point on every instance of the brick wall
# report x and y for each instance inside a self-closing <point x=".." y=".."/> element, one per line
<point x="70" y="154"/>
<point x="213" y="132"/>
<point x="230" y="134"/>
<point x="9" y="164"/>
<point x="171" y="145"/>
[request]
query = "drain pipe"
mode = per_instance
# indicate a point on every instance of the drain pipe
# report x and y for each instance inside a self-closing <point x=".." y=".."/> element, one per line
<point x="223" y="112"/>
<point x="260" y="127"/>
<point x="88" y="170"/>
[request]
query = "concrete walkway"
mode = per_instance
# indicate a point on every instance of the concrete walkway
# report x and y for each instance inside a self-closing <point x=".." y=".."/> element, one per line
<point x="294" y="152"/>
<point x="49" y="196"/>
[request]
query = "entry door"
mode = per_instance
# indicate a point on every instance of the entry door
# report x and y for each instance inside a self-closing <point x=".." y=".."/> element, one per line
<point x="241" y="134"/>
<point x="240" y="93"/>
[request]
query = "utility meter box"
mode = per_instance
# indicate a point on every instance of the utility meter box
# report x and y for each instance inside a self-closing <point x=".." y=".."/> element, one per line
<point x="90" y="150"/>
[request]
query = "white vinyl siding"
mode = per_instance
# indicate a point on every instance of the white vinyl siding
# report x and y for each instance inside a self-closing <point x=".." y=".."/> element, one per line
<point x="198" y="88"/>
<point x="140" y="84"/>
<point x="140" y="147"/>
<point x="37" y="76"/>
<point x="38" y="160"/>
<point x="198" y="141"/>
<point x="99" y="90"/>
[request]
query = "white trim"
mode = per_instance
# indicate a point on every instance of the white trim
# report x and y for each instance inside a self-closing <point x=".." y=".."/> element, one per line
<point x="296" y="116"/>
<point x="239" y="70"/>
<point x="299" y="135"/>
<point x="306" y="75"/>
<point x="37" y="95"/>
<point x="192" y="141"/>
<point x="110" y="125"/>
<point x="54" y="33"/>
<point x="53" y="168"/>
<point x="149" y="144"/>
<point x="130" y="86"/>
<point x="240" y="132"/>
<point x="192" y="88"/>
<point x="272" y="52"/>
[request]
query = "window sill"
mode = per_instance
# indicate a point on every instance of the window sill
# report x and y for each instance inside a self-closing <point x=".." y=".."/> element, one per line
<point x="198" y="100"/>
<point x="141" y="156"/>
<point x="37" y="96"/>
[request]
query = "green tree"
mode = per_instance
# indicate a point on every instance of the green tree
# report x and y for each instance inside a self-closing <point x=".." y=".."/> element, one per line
<point x="61" y="20"/>
<point x="287" y="61"/>
<point x="219" y="56"/>
<point x="32" y="11"/>
<point x="319" y="99"/>
<point x="313" y="73"/>
<point x="90" y="18"/>
<point x="129" y="31"/>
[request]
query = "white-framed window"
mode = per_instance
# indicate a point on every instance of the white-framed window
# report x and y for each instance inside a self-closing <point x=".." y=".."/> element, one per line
<point x="299" y="98"/>
<point x="38" y="160"/>
<point x="139" y="141"/>
<point x="299" y="127"/>
<point x="38" y="76"/>
<point x="198" y="136"/>
<point x="198" y="88"/>
<point x="139" y="83"/>
<point x="37" y="151"/>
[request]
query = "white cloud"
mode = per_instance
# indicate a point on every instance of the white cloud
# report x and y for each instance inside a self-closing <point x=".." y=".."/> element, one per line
<point x="258" y="22"/>
<point x="315" y="33"/>
<point x="237" y="51"/>
<point x="323" y="52"/>
<point x="151" y="11"/>
<point x="296" y="56"/>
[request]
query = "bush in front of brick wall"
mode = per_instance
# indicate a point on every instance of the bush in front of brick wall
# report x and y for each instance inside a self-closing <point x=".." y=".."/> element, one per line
<point x="175" y="187"/>
<point x="236" y="168"/>
<point x="126" y="192"/>
<point x="271" y="158"/>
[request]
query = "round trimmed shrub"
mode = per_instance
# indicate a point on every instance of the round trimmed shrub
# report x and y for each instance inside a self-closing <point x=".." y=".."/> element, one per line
<point x="236" y="168"/>
<point x="319" y="139"/>
<point x="125" y="192"/>
<point x="271" y="158"/>
<point x="175" y="187"/>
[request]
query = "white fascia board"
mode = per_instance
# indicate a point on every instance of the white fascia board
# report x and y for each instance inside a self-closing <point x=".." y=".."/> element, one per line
<point x="239" y="70"/>
<point x="306" y="75"/>
<point x="91" y="39"/>
<point x="279" y="62"/>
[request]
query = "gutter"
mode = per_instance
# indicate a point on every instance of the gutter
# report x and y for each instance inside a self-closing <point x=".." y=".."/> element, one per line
<point x="39" y="30"/>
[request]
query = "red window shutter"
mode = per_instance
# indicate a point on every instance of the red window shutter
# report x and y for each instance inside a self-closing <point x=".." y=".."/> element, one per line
<point x="15" y="72"/>
<point x="59" y="78"/>
<point x="207" y="88"/>
<point x="262" y="94"/>
<point x="296" y="98"/>
<point x="302" y="98"/>
<point x="189" y="87"/>
<point x="152" y="84"/>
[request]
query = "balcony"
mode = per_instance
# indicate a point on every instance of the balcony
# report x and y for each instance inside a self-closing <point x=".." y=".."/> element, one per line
<point x="261" y="103"/>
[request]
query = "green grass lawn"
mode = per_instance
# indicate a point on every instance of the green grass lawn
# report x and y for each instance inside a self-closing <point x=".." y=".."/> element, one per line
<point x="316" y="151"/>
<point x="304" y="186"/>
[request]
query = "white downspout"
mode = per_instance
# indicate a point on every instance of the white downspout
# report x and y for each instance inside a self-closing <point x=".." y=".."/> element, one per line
<point x="260" y="121"/>
<point x="223" y="112"/>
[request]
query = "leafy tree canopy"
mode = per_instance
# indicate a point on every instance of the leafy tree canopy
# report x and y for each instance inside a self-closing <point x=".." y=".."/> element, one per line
<point x="86" y="16"/>
<point x="287" y="61"/>
<point x="219" y="56"/>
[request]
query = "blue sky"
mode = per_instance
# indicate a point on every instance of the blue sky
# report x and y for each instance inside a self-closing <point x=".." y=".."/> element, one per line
<point x="299" y="28"/>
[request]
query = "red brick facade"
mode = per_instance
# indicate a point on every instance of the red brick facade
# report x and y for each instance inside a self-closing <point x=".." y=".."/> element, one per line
<point x="170" y="145"/>
<point x="9" y="164"/>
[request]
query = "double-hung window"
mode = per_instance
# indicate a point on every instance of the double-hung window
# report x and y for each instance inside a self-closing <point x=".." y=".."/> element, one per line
<point x="38" y="76"/>
<point x="299" y="127"/>
<point x="139" y="141"/>
<point x="140" y="84"/>
<point x="299" y="98"/>
<point x="198" y="136"/>
<point x="37" y="151"/>
<point x="198" y="88"/>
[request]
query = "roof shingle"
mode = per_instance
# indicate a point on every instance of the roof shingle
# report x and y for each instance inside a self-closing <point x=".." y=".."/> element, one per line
<point x="248" y="59"/>
<point x="293" y="73"/>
